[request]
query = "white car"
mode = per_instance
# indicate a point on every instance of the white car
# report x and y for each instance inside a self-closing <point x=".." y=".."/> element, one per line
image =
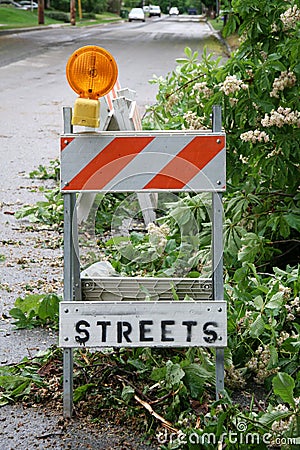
<point x="28" y="4"/>
<point x="154" y="10"/>
<point x="136" y="14"/>
<point x="174" y="11"/>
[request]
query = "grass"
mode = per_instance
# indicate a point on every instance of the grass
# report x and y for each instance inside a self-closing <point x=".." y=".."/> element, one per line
<point x="100" y="18"/>
<point x="232" y="40"/>
<point x="11" y="17"/>
<point x="217" y="23"/>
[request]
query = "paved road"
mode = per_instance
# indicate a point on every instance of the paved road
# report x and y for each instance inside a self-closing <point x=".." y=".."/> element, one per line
<point x="33" y="91"/>
<point x="140" y="49"/>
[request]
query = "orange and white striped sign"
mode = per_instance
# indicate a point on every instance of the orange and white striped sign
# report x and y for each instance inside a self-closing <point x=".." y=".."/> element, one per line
<point x="143" y="161"/>
<point x="113" y="93"/>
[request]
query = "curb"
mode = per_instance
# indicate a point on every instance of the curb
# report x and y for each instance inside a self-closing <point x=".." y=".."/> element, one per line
<point x="37" y="28"/>
<point x="221" y="39"/>
<point x="49" y="27"/>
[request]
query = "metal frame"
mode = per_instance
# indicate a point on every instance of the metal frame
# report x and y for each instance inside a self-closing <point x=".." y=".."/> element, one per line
<point x="72" y="280"/>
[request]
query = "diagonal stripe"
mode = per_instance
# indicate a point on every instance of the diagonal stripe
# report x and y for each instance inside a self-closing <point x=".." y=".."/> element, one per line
<point x="148" y="162"/>
<point x="178" y="172"/>
<point x="79" y="153"/>
<point x="212" y="177"/>
<point x="117" y="154"/>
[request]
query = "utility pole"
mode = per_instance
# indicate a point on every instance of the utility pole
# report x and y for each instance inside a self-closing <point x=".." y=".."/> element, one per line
<point x="79" y="10"/>
<point x="41" y="18"/>
<point x="72" y="12"/>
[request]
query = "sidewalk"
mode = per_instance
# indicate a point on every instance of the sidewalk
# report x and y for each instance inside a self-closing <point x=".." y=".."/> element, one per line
<point x="31" y="257"/>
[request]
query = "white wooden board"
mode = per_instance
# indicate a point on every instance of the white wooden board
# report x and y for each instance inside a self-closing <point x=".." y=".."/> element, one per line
<point x="143" y="324"/>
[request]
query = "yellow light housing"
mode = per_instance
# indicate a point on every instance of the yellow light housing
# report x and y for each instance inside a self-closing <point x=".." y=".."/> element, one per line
<point x="91" y="72"/>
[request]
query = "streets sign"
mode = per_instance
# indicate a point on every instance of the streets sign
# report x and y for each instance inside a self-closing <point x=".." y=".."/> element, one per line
<point x="143" y="324"/>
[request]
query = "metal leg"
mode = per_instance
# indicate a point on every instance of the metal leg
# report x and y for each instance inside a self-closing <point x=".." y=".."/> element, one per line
<point x="218" y="286"/>
<point x="72" y="288"/>
<point x="217" y="250"/>
<point x="70" y="266"/>
<point x="75" y="252"/>
<point x="68" y="382"/>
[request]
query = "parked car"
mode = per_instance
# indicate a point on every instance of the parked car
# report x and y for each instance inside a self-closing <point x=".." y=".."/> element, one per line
<point x="192" y="12"/>
<point x="173" y="11"/>
<point x="28" y="4"/>
<point x="136" y="14"/>
<point x="154" y="10"/>
<point x="11" y="3"/>
<point x="146" y="9"/>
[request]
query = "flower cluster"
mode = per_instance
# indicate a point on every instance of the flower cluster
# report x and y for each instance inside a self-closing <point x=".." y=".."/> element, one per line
<point x="255" y="136"/>
<point x="290" y="17"/>
<point x="158" y="236"/>
<point x="275" y="152"/>
<point x="173" y="99"/>
<point x="282" y="425"/>
<point x="245" y="321"/>
<point x="231" y="85"/>
<point x="193" y="121"/>
<point x="244" y="159"/>
<point x="281" y="117"/>
<point x="234" y="378"/>
<point x="201" y="89"/>
<point x="259" y="364"/>
<point x="286" y="79"/>
<point x="282" y="338"/>
<point x="293" y="309"/>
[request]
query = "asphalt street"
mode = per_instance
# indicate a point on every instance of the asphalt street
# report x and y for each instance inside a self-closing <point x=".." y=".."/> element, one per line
<point x="33" y="92"/>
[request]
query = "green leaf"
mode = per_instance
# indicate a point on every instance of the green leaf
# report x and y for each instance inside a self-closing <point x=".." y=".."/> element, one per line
<point x="127" y="393"/>
<point x="272" y="416"/>
<point x="137" y="364"/>
<point x="49" y="307"/>
<point x="275" y="301"/>
<point x="273" y="357"/>
<point x="21" y="320"/>
<point x="158" y="373"/>
<point x="195" y="378"/>
<point x="80" y="391"/>
<point x="257" y="327"/>
<point x="293" y="220"/>
<point x="283" y="385"/>
<point x="174" y="374"/>
<point x="29" y="303"/>
<point x="258" y="302"/>
<point x="14" y="384"/>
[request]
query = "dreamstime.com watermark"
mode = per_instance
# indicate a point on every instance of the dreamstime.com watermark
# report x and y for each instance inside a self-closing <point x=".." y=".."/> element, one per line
<point x="242" y="436"/>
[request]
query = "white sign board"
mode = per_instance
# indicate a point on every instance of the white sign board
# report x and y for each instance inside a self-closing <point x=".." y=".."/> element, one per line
<point x="143" y="324"/>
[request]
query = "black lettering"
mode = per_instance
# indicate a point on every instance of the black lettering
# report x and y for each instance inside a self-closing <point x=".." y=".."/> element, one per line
<point x="104" y="326"/>
<point x="79" y="339"/>
<point x="144" y="330"/>
<point x="189" y="324"/>
<point x="121" y="332"/>
<point x="211" y="334"/>
<point x="165" y="331"/>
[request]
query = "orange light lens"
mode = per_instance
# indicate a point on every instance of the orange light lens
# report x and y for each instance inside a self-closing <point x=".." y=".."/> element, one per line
<point x="91" y="72"/>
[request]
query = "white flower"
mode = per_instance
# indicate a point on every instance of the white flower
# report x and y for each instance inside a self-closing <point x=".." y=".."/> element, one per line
<point x="281" y="117"/>
<point x="286" y="79"/>
<point x="290" y="17"/>
<point x="231" y="84"/>
<point x="193" y="121"/>
<point x="255" y="136"/>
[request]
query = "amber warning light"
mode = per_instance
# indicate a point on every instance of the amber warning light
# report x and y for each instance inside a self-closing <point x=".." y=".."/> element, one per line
<point x="91" y="72"/>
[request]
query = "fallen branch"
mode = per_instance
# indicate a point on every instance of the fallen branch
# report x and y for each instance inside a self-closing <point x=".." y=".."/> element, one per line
<point x="161" y="399"/>
<point x="47" y="435"/>
<point x="149" y="408"/>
